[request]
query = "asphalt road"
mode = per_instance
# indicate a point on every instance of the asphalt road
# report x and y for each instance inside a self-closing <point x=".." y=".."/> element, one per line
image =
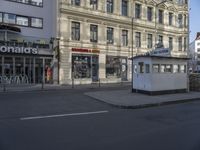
<point x="69" y="120"/>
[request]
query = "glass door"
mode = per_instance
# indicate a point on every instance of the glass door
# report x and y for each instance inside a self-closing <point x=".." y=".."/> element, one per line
<point x="8" y="66"/>
<point x="95" y="68"/>
<point x="29" y="69"/>
<point x="38" y="70"/>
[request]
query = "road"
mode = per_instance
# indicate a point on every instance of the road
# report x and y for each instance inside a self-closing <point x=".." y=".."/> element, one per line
<point x="69" y="120"/>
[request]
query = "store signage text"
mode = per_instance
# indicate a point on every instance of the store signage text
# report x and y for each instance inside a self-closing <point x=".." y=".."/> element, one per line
<point x="160" y="52"/>
<point x="18" y="50"/>
<point x="85" y="50"/>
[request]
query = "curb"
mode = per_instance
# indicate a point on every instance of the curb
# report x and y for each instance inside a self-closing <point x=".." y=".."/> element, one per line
<point x="149" y="105"/>
<point x="59" y="89"/>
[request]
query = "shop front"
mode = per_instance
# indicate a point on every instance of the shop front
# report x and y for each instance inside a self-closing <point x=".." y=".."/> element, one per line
<point x="85" y="65"/>
<point x="116" y="67"/>
<point x="19" y="65"/>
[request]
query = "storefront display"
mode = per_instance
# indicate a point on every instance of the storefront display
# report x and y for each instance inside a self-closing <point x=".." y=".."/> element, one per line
<point x="84" y="66"/>
<point x="25" y="70"/>
<point x="116" y="67"/>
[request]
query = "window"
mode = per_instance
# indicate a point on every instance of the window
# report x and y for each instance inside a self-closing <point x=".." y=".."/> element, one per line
<point x="160" y="16"/>
<point x="94" y="4"/>
<point x="134" y="68"/>
<point x="149" y="41"/>
<point x="113" y="66"/>
<point x="149" y="13"/>
<point x="166" y="68"/>
<point x="180" y="43"/>
<point x="36" y="22"/>
<point x="93" y="33"/>
<point x="124" y="37"/>
<point x="137" y="11"/>
<point x="110" y="6"/>
<point x="1" y="17"/>
<point x="30" y="2"/>
<point x="147" y="68"/>
<point x="185" y="44"/>
<point x="182" y="68"/>
<point x="141" y="67"/>
<point x="75" y="31"/>
<point x="81" y="66"/>
<point x="176" y="69"/>
<point x="22" y="20"/>
<point x="160" y="40"/>
<point x="180" y="20"/>
<point x="138" y="39"/>
<point x="155" y="68"/>
<point x="185" y="20"/>
<point x="76" y="2"/>
<point x="124" y="8"/>
<point x="170" y="43"/>
<point x="110" y="39"/>
<point x="170" y="18"/>
<point x="9" y="18"/>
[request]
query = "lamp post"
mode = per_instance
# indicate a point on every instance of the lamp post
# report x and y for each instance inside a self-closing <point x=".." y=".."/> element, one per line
<point x="132" y="19"/>
<point x="156" y="6"/>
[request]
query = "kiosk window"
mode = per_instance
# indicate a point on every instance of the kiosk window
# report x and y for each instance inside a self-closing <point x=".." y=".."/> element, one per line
<point x="135" y="68"/>
<point x="176" y="69"/>
<point x="155" y="68"/>
<point x="182" y="68"/>
<point x="147" y="68"/>
<point x="165" y="68"/>
<point x="141" y="67"/>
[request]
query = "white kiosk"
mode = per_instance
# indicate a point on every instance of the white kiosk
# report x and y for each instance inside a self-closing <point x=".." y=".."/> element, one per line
<point x="154" y="74"/>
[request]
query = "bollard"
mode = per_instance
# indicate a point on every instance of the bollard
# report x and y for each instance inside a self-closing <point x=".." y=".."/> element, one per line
<point x="72" y="83"/>
<point x="99" y="83"/>
<point x="4" y="87"/>
<point x="42" y="85"/>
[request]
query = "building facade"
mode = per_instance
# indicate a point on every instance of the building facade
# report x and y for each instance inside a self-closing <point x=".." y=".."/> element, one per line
<point x="26" y="29"/>
<point x="98" y="37"/>
<point x="194" y="51"/>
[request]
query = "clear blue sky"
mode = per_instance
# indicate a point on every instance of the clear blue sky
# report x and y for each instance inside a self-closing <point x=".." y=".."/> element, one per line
<point x="194" y="18"/>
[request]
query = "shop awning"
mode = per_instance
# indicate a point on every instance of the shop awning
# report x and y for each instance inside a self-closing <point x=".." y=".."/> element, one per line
<point x="9" y="28"/>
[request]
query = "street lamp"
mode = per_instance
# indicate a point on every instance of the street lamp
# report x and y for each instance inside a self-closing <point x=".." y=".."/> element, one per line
<point x="132" y="19"/>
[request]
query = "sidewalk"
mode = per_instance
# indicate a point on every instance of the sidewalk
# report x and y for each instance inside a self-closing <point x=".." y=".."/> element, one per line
<point x="127" y="99"/>
<point x="49" y="87"/>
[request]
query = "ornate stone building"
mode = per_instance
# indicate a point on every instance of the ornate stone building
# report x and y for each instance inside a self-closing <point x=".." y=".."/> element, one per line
<point x="97" y="36"/>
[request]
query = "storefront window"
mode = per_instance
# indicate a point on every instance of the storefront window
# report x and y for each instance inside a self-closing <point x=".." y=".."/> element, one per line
<point x="8" y="66"/>
<point x="48" y="71"/>
<point x="116" y="67"/>
<point x="1" y="17"/>
<point x="81" y="66"/>
<point x="0" y="66"/>
<point x="19" y="66"/>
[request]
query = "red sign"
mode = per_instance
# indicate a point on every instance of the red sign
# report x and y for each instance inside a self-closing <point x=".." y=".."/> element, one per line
<point x="85" y="50"/>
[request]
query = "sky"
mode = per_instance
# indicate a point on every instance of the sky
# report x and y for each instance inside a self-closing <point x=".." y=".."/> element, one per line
<point x="194" y="18"/>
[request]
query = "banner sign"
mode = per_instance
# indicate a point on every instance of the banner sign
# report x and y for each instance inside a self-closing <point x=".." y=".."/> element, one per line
<point x="161" y="52"/>
<point x="18" y="50"/>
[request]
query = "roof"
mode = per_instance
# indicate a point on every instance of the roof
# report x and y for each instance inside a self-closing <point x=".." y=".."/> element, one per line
<point x="9" y="28"/>
<point x="161" y="57"/>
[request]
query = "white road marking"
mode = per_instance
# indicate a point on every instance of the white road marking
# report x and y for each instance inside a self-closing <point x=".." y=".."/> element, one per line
<point x="64" y="115"/>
